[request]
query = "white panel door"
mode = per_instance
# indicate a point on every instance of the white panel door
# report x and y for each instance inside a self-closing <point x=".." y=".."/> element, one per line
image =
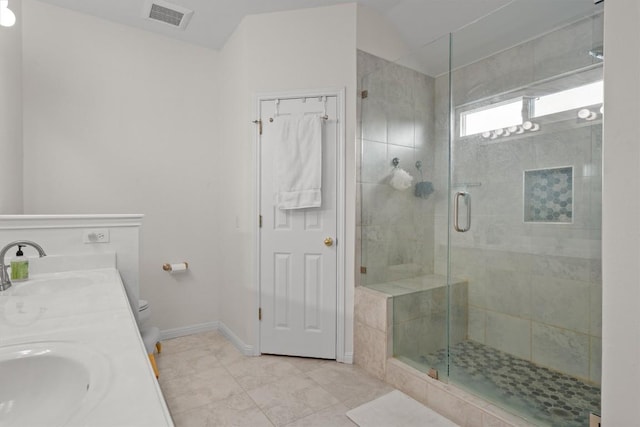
<point x="298" y="279"/>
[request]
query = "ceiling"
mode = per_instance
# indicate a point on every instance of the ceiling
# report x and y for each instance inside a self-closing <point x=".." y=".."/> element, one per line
<point x="513" y="23"/>
<point x="417" y="21"/>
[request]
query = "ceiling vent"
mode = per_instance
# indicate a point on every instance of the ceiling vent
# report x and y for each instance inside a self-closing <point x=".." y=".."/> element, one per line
<point x="167" y="13"/>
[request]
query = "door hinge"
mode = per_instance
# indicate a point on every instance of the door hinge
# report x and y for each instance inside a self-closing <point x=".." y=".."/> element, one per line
<point x="260" y="221"/>
<point x="259" y="123"/>
<point x="363" y="270"/>
<point x="260" y="313"/>
<point x="364" y="94"/>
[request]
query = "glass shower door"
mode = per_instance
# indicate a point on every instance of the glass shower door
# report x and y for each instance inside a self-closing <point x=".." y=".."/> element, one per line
<point x="524" y="196"/>
<point x="404" y="134"/>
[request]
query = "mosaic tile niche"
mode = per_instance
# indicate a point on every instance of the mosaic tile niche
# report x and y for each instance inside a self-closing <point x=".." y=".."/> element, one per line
<point x="548" y="195"/>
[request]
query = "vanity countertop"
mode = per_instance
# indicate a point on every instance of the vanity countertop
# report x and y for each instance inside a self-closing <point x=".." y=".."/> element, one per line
<point x="89" y="308"/>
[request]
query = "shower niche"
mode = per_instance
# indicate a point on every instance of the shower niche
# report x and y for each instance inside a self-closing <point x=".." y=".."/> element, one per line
<point x="548" y="195"/>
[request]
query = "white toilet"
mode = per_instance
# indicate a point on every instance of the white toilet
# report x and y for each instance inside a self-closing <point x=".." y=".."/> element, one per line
<point x="144" y="312"/>
<point x="150" y="334"/>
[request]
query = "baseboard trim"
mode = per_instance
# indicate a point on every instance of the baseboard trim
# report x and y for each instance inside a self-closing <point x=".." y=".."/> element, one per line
<point x="246" y="349"/>
<point x="348" y="358"/>
<point x="189" y="330"/>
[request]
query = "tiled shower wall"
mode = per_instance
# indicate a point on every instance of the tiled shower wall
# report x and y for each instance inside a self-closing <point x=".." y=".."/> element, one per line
<point x="534" y="288"/>
<point x="395" y="228"/>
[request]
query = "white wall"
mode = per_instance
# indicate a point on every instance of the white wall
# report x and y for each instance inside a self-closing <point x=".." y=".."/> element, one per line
<point x="11" y="115"/>
<point x="286" y="51"/>
<point x="121" y="120"/>
<point x="376" y="35"/>
<point x="238" y="276"/>
<point x="621" y="210"/>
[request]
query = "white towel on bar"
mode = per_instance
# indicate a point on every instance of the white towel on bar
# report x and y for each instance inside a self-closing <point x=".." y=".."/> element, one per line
<point x="298" y="161"/>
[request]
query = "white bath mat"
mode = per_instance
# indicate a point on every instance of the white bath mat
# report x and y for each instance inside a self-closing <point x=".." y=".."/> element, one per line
<point x="396" y="409"/>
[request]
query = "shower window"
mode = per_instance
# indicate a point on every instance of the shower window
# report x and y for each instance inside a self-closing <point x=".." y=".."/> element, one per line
<point x="540" y="104"/>
<point x="489" y="118"/>
<point x="570" y="99"/>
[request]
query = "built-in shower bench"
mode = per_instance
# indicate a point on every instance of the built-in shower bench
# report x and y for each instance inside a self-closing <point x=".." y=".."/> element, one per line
<point x="405" y="318"/>
<point x="398" y="320"/>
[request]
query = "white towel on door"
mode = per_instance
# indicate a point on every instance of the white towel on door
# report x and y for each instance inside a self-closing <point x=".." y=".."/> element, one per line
<point x="298" y="161"/>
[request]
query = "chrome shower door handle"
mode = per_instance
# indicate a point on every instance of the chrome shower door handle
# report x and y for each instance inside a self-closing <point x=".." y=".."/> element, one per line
<point x="456" y="211"/>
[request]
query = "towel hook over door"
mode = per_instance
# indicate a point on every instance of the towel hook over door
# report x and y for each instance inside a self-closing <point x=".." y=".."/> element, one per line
<point x="324" y="108"/>
<point x="322" y="99"/>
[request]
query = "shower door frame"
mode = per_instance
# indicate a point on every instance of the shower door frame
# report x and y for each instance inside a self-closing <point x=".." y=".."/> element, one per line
<point x="586" y="173"/>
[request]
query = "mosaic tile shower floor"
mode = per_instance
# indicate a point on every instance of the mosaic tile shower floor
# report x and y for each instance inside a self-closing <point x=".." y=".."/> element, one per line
<point x="543" y="396"/>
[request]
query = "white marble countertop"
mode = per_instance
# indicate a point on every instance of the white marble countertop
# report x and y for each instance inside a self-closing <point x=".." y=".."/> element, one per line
<point x="90" y="308"/>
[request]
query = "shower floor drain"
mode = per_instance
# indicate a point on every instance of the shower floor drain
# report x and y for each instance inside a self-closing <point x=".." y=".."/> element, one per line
<point x="561" y="413"/>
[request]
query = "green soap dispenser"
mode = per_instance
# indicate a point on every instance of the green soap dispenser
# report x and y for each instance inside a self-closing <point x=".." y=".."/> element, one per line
<point x="19" y="266"/>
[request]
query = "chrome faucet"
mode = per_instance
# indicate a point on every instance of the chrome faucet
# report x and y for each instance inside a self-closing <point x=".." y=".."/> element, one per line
<point x="5" y="283"/>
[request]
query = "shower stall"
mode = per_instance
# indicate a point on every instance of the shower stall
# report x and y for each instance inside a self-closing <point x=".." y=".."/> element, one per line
<point x="491" y="257"/>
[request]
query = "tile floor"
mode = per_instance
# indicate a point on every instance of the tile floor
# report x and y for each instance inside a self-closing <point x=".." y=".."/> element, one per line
<point x="206" y="381"/>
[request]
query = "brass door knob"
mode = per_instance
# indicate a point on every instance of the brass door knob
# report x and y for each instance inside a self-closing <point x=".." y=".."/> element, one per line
<point x="328" y="241"/>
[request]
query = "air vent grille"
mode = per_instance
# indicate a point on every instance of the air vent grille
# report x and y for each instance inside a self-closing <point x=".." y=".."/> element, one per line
<point x="167" y="13"/>
<point x="164" y="14"/>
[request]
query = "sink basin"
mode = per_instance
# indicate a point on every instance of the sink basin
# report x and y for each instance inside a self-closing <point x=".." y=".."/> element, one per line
<point x="24" y="303"/>
<point x="50" y="383"/>
<point x="43" y="287"/>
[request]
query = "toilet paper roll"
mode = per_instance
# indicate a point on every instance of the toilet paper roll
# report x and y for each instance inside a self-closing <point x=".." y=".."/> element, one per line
<point x="181" y="266"/>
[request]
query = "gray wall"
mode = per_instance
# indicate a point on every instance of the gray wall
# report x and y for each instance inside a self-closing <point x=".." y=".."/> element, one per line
<point x="396" y="228"/>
